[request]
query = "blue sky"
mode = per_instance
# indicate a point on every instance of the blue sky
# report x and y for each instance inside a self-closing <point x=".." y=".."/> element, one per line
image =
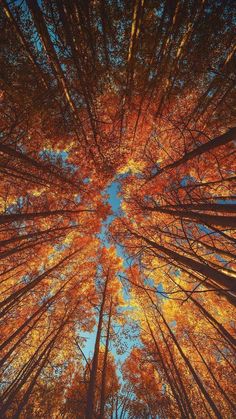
<point x="115" y="201"/>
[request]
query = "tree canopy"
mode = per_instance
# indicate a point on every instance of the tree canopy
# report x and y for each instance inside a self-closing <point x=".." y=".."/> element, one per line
<point x="117" y="305"/>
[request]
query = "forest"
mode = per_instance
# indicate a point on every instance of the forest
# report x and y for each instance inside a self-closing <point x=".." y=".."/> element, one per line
<point x="117" y="209"/>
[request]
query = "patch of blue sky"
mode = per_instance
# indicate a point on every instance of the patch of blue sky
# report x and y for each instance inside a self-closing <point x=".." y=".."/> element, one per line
<point x="115" y="201"/>
<point x="205" y="229"/>
<point x="149" y="282"/>
<point x="24" y="9"/>
<point x="148" y="198"/>
<point x="99" y="26"/>
<point x="158" y="11"/>
<point x="20" y="202"/>
<point x="123" y="355"/>
<point x="113" y="198"/>
<point x="86" y="180"/>
<point x="73" y="223"/>
<point x="155" y="169"/>
<point x="226" y="201"/>
<point x="161" y="291"/>
<point x="21" y="232"/>
<point x="120" y="356"/>
<point x="26" y="279"/>
<point x="103" y="236"/>
<point x="122" y="254"/>
<point x="77" y="199"/>
<point x="61" y="247"/>
<point x="20" y="146"/>
<point x="177" y="272"/>
<point x="126" y="294"/>
<point x="173" y="325"/>
<point x="58" y="157"/>
<point x="221" y="259"/>
<point x="226" y="351"/>
<point x="186" y="180"/>
<point x="232" y="323"/>
<point x="152" y="75"/>
<point x="153" y="134"/>
<point x="59" y="369"/>
<point x="211" y="92"/>
<point x="88" y="348"/>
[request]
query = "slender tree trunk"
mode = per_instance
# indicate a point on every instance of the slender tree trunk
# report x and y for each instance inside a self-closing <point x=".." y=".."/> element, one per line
<point x="64" y="16"/>
<point x="9" y="218"/>
<point x="23" y="290"/>
<point x="178" y="375"/>
<point x="10" y="393"/>
<point x="218" y="326"/>
<point x="170" y="381"/>
<point x="22" y="337"/>
<point x="39" y="312"/>
<point x="93" y="373"/>
<point x="23" y="42"/>
<point x="48" y="46"/>
<point x="5" y="149"/>
<point x="213" y="376"/>
<point x="223" y="280"/>
<point x="35" y="234"/>
<point x="104" y="370"/>
<point x="25" y="246"/>
<point x="209" y="206"/>
<point x="209" y="146"/>
<point x="207" y="219"/>
<point x="44" y="359"/>
<point x="17" y="174"/>
<point x="27" y="371"/>
<point x="193" y="186"/>
<point x="189" y="365"/>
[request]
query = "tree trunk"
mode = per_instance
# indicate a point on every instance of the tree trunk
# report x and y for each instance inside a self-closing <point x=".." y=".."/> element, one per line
<point x="218" y="220"/>
<point x="189" y="365"/>
<point x="104" y="370"/>
<point x="174" y="390"/>
<point x="9" y="218"/>
<point x="23" y="290"/>
<point x="213" y="376"/>
<point x="209" y="146"/>
<point x="89" y="414"/>
<point x="35" y="234"/>
<point x="5" y="149"/>
<point x="225" y="281"/>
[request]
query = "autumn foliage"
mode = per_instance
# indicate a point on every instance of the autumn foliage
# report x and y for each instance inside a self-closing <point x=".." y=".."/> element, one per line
<point x="111" y="312"/>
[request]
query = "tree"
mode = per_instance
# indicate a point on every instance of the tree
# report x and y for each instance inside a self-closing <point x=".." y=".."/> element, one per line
<point x="140" y="93"/>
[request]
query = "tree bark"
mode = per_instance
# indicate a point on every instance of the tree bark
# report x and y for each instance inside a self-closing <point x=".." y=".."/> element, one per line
<point x="89" y="414"/>
<point x="218" y="220"/>
<point x="209" y="146"/>
<point x="190" y="367"/>
<point x="104" y="370"/>
<point x="225" y="281"/>
<point x="9" y="218"/>
<point x="5" y="149"/>
<point x="23" y="290"/>
<point x="174" y="390"/>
